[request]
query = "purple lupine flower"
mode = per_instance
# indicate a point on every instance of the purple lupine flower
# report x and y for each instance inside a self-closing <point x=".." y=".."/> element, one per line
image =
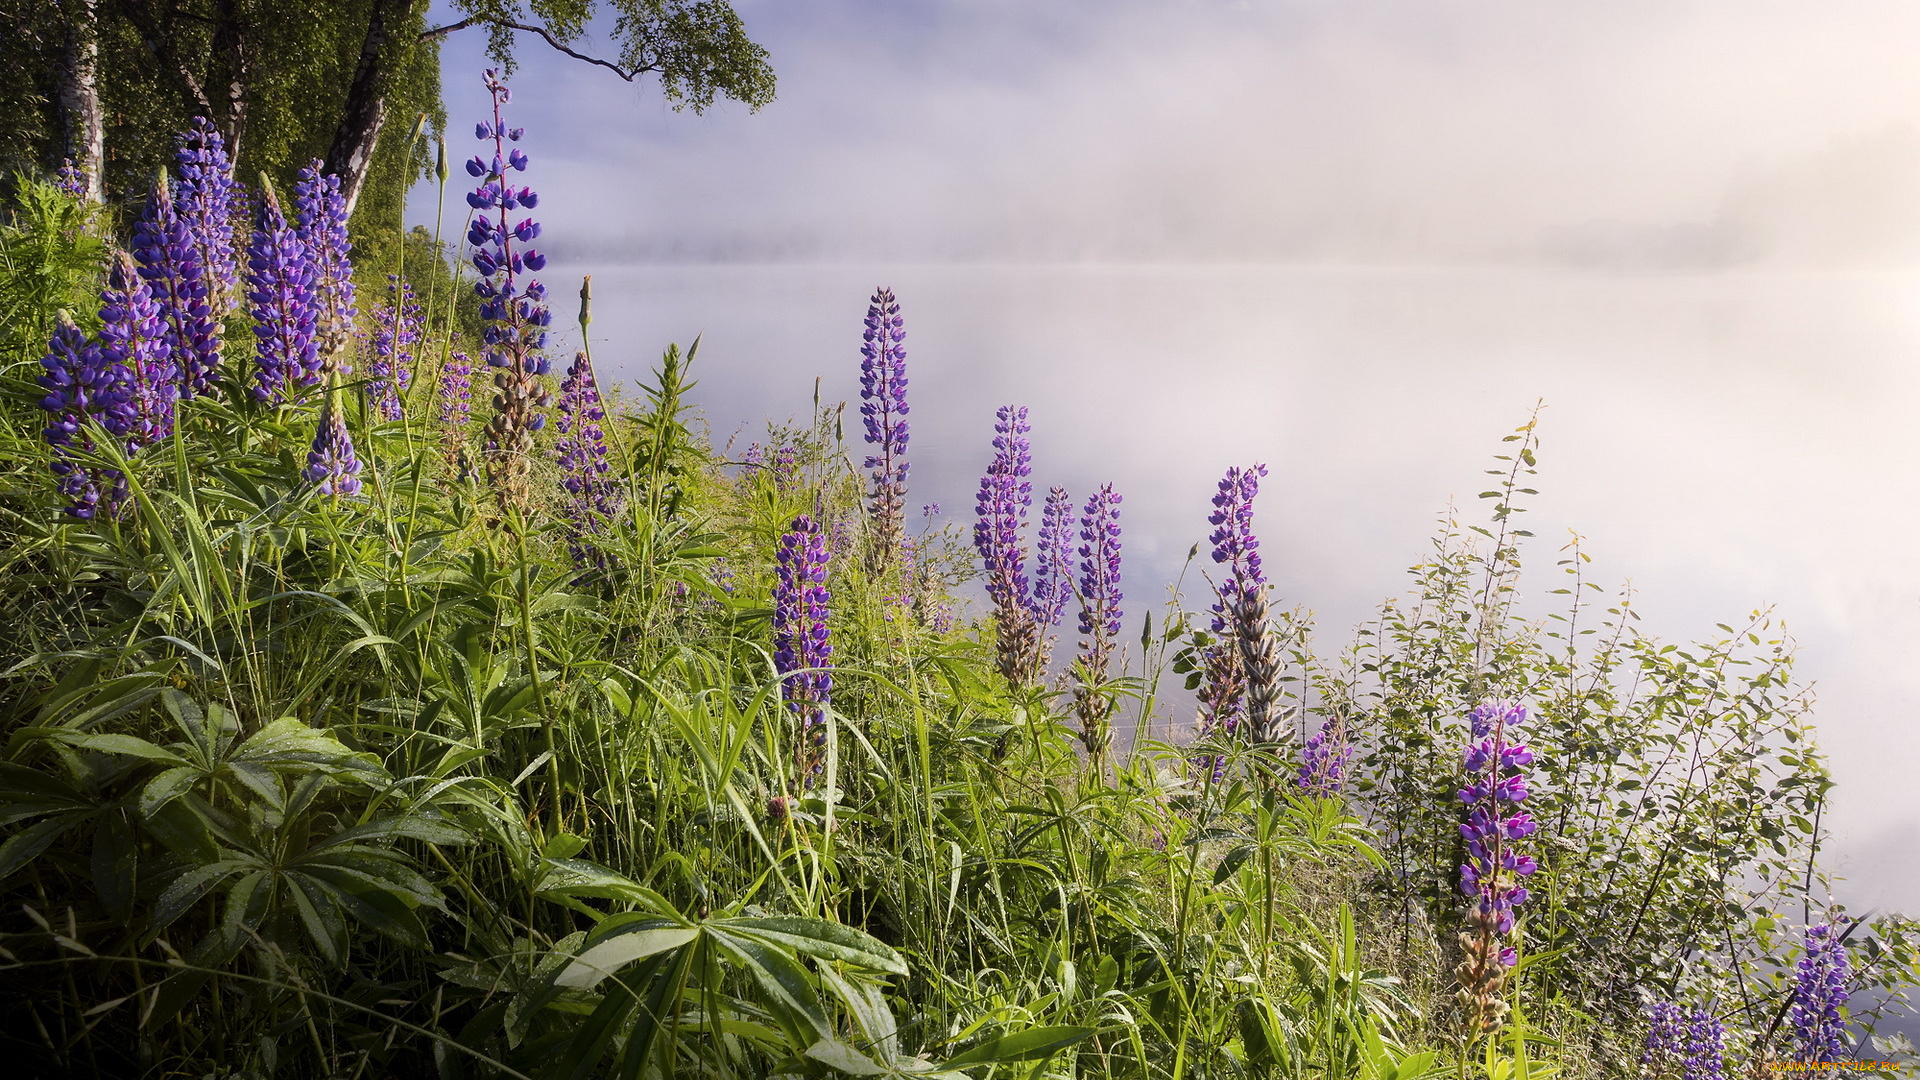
<point x="390" y="363"/>
<point x="1496" y="784"/>
<point x="1706" y="1047"/>
<point x="1053" y="560"/>
<point x="133" y="335"/>
<point x="82" y="387"/>
<point x="169" y="263"/>
<point x="592" y="496"/>
<point x="1100" y="613"/>
<point x="883" y="408"/>
<point x="930" y="511"/>
<point x="1819" y="992"/>
<point x="209" y="200"/>
<point x="320" y="221"/>
<point x="1324" y="757"/>
<point x="801" y="649"/>
<point x="1241" y="610"/>
<point x="1001" y="508"/>
<point x="456" y="405"/>
<point x="516" y="312"/>
<point x="280" y="289"/>
<point x="786" y="472"/>
<point x="70" y="180"/>
<point x="1666" y="1035"/>
<point x="332" y="466"/>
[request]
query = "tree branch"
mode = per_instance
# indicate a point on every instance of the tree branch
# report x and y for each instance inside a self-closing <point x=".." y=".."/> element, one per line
<point x="156" y="43"/>
<point x="625" y="73"/>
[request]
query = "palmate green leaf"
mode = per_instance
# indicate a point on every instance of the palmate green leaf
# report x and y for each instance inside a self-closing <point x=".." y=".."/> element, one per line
<point x="26" y="845"/>
<point x="168" y="786"/>
<point x="821" y="939"/>
<point x="1021" y="1046"/>
<point x="128" y="745"/>
<point x="604" y="958"/>
<point x="187" y="889"/>
<point x="785" y="990"/>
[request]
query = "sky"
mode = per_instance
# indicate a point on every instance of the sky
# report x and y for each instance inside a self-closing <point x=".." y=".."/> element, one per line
<point x="1357" y="240"/>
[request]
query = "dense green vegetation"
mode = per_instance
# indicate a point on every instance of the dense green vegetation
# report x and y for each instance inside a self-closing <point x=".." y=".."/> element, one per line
<point x="421" y="780"/>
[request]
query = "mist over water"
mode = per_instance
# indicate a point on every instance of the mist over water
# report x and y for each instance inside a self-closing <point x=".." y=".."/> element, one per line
<point x="1356" y="241"/>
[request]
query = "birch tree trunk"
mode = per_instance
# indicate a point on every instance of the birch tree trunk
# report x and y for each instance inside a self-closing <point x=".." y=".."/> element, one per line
<point x="78" y="96"/>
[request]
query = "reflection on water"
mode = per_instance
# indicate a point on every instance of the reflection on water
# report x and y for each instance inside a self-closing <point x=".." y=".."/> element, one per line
<point x="1726" y="441"/>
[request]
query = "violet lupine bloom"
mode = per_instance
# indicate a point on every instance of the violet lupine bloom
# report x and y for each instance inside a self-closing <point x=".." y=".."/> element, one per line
<point x="1053" y="561"/>
<point x="133" y="336"/>
<point x="1100" y="613"/>
<point x="516" y="313"/>
<point x="169" y="263"/>
<point x="390" y="362"/>
<point x="332" y="466"/>
<point x="1706" y="1047"/>
<point x="1496" y="785"/>
<point x="83" y="386"/>
<point x="456" y="404"/>
<point x="1001" y="508"/>
<point x="70" y="180"/>
<point x="1242" y="607"/>
<point x="208" y="200"/>
<point x="883" y="408"/>
<point x="1819" y="991"/>
<point x="592" y="496"/>
<point x="786" y="472"/>
<point x="320" y="220"/>
<point x="801" y="649"/>
<point x="280" y="289"/>
<point x="1324" y="757"/>
<point x="1666" y="1036"/>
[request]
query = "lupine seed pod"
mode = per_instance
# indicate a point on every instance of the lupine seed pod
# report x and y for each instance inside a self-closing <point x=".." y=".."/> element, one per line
<point x="169" y="263"/>
<point x="1001" y="510"/>
<point x="883" y="409"/>
<point x="1819" y="993"/>
<point x="209" y="201"/>
<point x="285" y="307"/>
<point x="1491" y="876"/>
<point x="320" y="221"/>
<point x="592" y="497"/>
<point x="802" y="649"/>
<point x="1100" y="614"/>
<point x="516" y="313"/>
<point x="83" y="387"/>
<point x="1222" y="697"/>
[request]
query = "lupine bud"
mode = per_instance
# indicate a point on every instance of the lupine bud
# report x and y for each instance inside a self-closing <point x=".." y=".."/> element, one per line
<point x="1001" y="510"/>
<point x="390" y="363"/>
<point x="1100" y="613"/>
<point x="592" y="497"/>
<point x="1819" y="992"/>
<point x="320" y="221"/>
<point x="280" y="289"/>
<point x="332" y="466"/>
<point x="516" y="314"/>
<point x="883" y="409"/>
<point x="169" y="263"/>
<point x="1493" y="870"/>
<point x="801" y="646"/>
<point x="208" y="199"/>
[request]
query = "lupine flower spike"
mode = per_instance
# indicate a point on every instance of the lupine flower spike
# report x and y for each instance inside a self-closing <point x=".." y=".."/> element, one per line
<point x="208" y="199"/>
<point x="456" y="406"/>
<point x="1496" y="785"/>
<point x="390" y="360"/>
<point x="883" y="409"/>
<point x="332" y="466"/>
<point x="1323" y="758"/>
<point x="592" y="497"/>
<point x="1005" y="496"/>
<point x="1242" y="607"/>
<point x="1052" y="571"/>
<point x="513" y="306"/>
<point x="70" y="180"/>
<point x="1100" y="614"/>
<point x="1819" y="992"/>
<point x="280" y="288"/>
<point x="83" y="386"/>
<point x="170" y="265"/>
<point x="133" y="336"/>
<point x="801" y="648"/>
<point x="320" y="221"/>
